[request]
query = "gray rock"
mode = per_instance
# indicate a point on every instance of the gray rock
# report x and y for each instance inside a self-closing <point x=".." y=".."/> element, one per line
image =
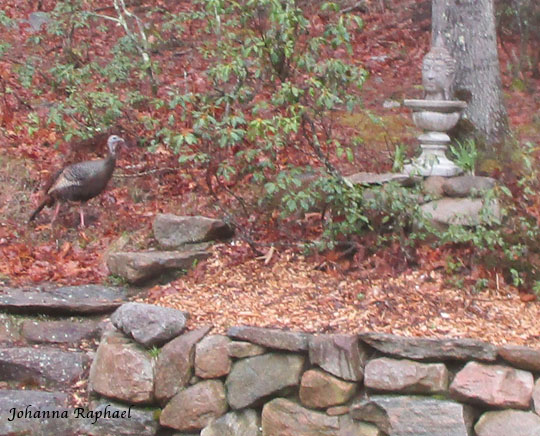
<point x="135" y="421"/>
<point x="59" y="332"/>
<point x="380" y="178"/>
<point x="195" y="407"/>
<point x="493" y="385"/>
<point x="430" y="348"/>
<point x="254" y="378"/>
<point x="241" y="423"/>
<point x="271" y="338"/>
<point x="59" y="423"/>
<point x="37" y="20"/>
<point x="173" y="232"/>
<point x="415" y="416"/>
<point x="212" y="357"/>
<point x="407" y="376"/>
<point x="350" y="427"/>
<point x="462" y="211"/>
<point x="122" y="371"/>
<point x="467" y="186"/>
<point x="241" y="349"/>
<point x="174" y="365"/>
<point x="319" y="390"/>
<point x="9" y="330"/>
<point x="282" y="417"/>
<point x="433" y="186"/>
<point x="521" y="357"/>
<point x="391" y="104"/>
<point x="67" y="300"/>
<point x="536" y="397"/>
<point x="50" y="367"/>
<point x="142" y="266"/>
<point x="148" y="324"/>
<point x="508" y="423"/>
<point x="341" y="355"/>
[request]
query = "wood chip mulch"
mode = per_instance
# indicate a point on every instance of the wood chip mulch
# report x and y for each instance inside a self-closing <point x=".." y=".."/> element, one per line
<point x="288" y="292"/>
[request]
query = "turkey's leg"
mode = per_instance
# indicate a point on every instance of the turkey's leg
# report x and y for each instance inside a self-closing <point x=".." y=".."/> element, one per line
<point x="56" y="209"/>
<point x="81" y="213"/>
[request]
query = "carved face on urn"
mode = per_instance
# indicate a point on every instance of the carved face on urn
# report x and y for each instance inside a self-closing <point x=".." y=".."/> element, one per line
<point x="438" y="73"/>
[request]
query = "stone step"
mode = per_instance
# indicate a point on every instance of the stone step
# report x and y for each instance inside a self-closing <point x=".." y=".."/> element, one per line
<point x="42" y="366"/>
<point x="36" y="413"/>
<point x="66" y="300"/>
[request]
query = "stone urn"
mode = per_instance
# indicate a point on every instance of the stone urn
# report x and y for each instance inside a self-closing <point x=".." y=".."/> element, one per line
<point x="436" y="114"/>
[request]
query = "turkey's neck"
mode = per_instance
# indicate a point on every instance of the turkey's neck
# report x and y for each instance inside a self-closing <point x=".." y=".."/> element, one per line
<point x="110" y="162"/>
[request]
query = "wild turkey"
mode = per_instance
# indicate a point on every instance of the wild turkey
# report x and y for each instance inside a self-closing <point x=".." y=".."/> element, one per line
<point x="80" y="182"/>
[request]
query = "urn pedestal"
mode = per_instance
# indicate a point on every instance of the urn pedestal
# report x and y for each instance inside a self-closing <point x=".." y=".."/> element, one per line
<point x="435" y="117"/>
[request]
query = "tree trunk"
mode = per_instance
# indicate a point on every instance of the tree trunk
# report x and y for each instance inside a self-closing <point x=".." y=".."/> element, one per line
<point x="468" y="31"/>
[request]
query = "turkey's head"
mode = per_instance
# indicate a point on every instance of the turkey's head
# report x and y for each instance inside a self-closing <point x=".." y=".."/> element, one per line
<point x="113" y="142"/>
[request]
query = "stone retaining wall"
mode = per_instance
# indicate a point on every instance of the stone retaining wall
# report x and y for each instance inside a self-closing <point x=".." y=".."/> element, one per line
<point x="257" y="381"/>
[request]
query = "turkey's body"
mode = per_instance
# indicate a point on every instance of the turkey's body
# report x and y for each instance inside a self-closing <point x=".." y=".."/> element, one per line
<point x="80" y="182"/>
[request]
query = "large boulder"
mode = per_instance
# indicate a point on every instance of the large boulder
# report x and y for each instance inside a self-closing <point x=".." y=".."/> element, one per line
<point x="431" y="348"/>
<point x="394" y="375"/>
<point x="212" y="357"/>
<point x="122" y="370"/>
<point x="493" y="385"/>
<point x="318" y="390"/>
<point x="462" y="211"/>
<point x="271" y="338"/>
<point x="148" y="324"/>
<point x="415" y="416"/>
<point x="173" y="232"/>
<point x="508" y="423"/>
<point x="340" y="355"/>
<point x="141" y="266"/>
<point x="536" y="397"/>
<point x="237" y="423"/>
<point x="50" y="367"/>
<point x="174" y="365"/>
<point x="254" y="378"/>
<point x="282" y="417"/>
<point x="467" y="186"/>
<point x="195" y="407"/>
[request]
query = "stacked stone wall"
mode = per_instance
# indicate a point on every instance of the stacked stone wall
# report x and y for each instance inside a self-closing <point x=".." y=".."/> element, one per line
<point x="268" y="382"/>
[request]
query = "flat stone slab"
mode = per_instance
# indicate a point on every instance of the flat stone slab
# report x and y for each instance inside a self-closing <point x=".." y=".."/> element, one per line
<point x="70" y="300"/>
<point x="141" y="266"/>
<point x="467" y="186"/>
<point x="44" y="366"/>
<point x="38" y="404"/>
<point x="59" y="332"/>
<point x="415" y="416"/>
<point x="271" y="338"/>
<point x="380" y="178"/>
<point x="430" y="348"/>
<point x="118" y="420"/>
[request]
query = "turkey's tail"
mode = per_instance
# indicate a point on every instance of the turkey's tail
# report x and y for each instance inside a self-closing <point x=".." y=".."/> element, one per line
<point x="47" y="201"/>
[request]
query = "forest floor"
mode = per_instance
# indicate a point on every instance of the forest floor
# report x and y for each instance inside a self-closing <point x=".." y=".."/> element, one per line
<point x="286" y="289"/>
